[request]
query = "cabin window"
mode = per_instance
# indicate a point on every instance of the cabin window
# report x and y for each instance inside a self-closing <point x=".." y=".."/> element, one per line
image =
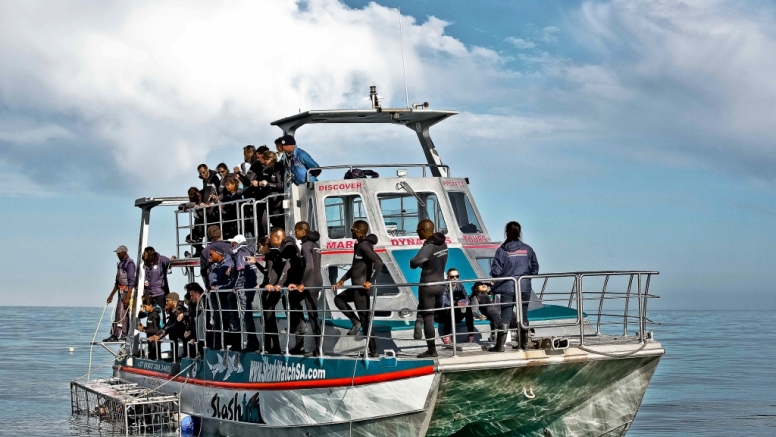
<point x="387" y="284"/>
<point x="311" y="214"/>
<point x="341" y="212"/>
<point x="402" y="212"/>
<point x="464" y="213"/>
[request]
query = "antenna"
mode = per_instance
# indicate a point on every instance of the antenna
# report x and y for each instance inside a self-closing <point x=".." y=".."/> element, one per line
<point x="299" y="68"/>
<point x="403" y="67"/>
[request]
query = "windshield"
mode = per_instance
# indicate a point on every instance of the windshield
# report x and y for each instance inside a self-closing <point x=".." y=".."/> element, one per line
<point x="464" y="213"/>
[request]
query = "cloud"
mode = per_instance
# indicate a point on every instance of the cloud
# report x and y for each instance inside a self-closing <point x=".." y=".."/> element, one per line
<point x="520" y="43"/>
<point x="130" y="98"/>
<point x="550" y="34"/>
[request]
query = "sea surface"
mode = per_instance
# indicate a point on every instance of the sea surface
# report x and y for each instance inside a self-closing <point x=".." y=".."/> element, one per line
<point x="718" y="377"/>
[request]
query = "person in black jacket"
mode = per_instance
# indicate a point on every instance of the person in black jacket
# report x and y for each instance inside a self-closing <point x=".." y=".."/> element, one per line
<point x="210" y="179"/>
<point x="270" y="183"/>
<point x="432" y="259"/>
<point x="285" y="270"/>
<point x="363" y="272"/>
<point x="231" y="193"/>
<point x="310" y="289"/>
<point x="152" y="312"/>
<point x="463" y="308"/>
<point x="194" y="333"/>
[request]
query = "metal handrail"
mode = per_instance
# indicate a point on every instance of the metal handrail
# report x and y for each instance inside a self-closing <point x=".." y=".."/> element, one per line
<point x="367" y="166"/>
<point x="325" y="313"/>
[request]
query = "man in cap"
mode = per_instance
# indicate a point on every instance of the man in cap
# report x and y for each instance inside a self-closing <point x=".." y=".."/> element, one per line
<point x="297" y="161"/>
<point x="124" y="285"/>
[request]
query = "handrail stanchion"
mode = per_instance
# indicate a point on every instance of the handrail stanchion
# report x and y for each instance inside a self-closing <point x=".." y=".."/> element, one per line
<point x="260" y="292"/>
<point x="544" y="287"/>
<point x="601" y="306"/>
<point x="288" y="317"/>
<point x="452" y="317"/>
<point x="646" y="299"/>
<point x="573" y="288"/>
<point x="322" y="323"/>
<point x="627" y="301"/>
<point x="580" y="310"/>
<point x="177" y="236"/>
<point x="371" y="323"/>
<point x="641" y="318"/>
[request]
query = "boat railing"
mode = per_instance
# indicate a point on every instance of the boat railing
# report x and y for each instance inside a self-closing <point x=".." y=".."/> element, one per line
<point x="244" y="219"/>
<point x="350" y="167"/>
<point x="594" y="306"/>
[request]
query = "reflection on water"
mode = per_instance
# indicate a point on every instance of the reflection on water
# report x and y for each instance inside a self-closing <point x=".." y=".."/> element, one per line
<point x="716" y="378"/>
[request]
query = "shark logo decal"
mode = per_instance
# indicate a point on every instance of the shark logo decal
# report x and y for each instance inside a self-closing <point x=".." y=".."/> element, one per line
<point x="226" y="363"/>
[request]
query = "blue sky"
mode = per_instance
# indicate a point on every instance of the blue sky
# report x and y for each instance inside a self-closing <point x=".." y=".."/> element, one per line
<point x="622" y="135"/>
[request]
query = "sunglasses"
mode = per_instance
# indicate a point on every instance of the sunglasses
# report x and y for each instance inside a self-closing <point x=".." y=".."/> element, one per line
<point x="454" y="276"/>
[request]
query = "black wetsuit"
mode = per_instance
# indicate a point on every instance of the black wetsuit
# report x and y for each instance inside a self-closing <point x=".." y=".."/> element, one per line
<point x="432" y="258"/>
<point x="312" y="280"/>
<point x="153" y="327"/>
<point x="365" y="268"/>
<point x="284" y="267"/>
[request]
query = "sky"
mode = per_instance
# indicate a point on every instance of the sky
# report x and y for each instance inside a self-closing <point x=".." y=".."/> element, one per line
<point x="620" y="134"/>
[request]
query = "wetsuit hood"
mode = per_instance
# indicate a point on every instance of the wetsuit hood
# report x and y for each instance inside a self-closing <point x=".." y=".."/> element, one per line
<point x="437" y="239"/>
<point x="286" y="242"/>
<point x="372" y="238"/>
<point x="312" y="236"/>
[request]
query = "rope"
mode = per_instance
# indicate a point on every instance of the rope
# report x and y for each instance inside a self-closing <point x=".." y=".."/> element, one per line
<point x="171" y="378"/>
<point x="91" y="346"/>
<point x="96" y="369"/>
<point x="611" y="355"/>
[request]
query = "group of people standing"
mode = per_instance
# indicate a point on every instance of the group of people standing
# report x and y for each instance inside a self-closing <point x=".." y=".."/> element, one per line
<point x="263" y="175"/>
<point x="230" y="271"/>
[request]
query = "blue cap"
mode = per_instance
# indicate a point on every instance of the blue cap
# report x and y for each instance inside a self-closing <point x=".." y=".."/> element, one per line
<point x="287" y="139"/>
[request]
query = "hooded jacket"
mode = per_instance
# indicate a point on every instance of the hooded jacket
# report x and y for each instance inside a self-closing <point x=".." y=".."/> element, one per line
<point x="513" y="258"/>
<point x="247" y="273"/>
<point x="311" y="254"/>
<point x="204" y="258"/>
<point x="432" y="258"/>
<point x="366" y="263"/>
<point x="156" y="277"/>
<point x="285" y="266"/>
<point x="222" y="275"/>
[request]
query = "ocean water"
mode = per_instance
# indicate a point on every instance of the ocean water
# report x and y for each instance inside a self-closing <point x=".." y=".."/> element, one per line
<point x="717" y="378"/>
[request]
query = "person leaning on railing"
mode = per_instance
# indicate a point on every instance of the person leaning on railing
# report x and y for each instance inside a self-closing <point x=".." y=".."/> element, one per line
<point x="514" y="258"/>
<point x="153" y="327"/>
<point x="176" y="314"/>
<point x="297" y="161"/>
<point x="285" y="270"/>
<point x="232" y="193"/>
<point x="194" y="344"/>
<point x="311" y="255"/>
<point x="245" y="288"/>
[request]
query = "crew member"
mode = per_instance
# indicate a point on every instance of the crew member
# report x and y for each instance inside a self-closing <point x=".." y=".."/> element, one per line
<point x="514" y="258"/>
<point x="363" y="272"/>
<point x="432" y="259"/>
<point x="312" y="281"/>
<point x="210" y="182"/>
<point x="155" y="267"/>
<point x="124" y="285"/>
<point x="297" y="161"/>
<point x="245" y="288"/>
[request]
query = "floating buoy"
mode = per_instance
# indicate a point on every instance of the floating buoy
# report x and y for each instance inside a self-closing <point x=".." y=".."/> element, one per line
<point x="71" y="349"/>
<point x="187" y="426"/>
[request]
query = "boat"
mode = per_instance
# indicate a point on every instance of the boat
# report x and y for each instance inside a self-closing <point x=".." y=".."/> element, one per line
<point x="589" y="365"/>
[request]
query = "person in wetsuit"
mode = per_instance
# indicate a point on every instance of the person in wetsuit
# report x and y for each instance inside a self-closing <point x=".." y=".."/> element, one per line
<point x="363" y="272"/>
<point x="311" y="282"/>
<point x="176" y="316"/>
<point x="153" y="327"/>
<point x="514" y="258"/>
<point x="284" y="268"/>
<point x="432" y="259"/>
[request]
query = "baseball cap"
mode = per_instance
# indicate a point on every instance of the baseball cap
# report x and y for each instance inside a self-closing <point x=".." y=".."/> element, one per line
<point x="121" y="249"/>
<point x="287" y="139"/>
<point x="239" y="239"/>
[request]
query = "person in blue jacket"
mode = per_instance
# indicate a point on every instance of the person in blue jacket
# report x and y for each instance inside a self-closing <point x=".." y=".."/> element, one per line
<point x="222" y="277"/>
<point x="514" y="258"/>
<point x="297" y="161"/>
